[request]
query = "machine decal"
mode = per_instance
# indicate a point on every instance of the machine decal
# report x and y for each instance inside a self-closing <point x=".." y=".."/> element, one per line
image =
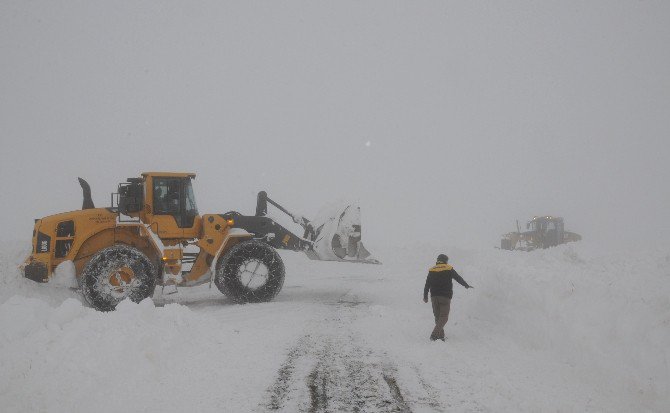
<point x="43" y="243"/>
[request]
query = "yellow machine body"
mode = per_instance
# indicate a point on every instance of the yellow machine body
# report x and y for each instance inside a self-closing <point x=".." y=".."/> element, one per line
<point x="542" y="232"/>
<point x="152" y="226"/>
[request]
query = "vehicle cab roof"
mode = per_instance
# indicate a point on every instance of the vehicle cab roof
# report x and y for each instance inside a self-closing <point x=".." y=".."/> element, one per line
<point x="547" y="218"/>
<point x="170" y="174"/>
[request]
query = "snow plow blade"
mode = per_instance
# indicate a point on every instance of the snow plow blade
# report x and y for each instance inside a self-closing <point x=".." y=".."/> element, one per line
<point x="337" y="237"/>
<point x="335" y="234"/>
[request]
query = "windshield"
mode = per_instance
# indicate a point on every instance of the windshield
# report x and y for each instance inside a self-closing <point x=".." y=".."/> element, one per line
<point x="190" y="207"/>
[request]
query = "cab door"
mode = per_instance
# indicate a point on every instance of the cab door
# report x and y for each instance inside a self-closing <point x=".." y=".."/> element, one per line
<point x="174" y="211"/>
<point x="166" y="214"/>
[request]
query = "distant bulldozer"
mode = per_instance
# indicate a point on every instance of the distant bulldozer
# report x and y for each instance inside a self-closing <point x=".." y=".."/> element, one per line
<point x="542" y="232"/>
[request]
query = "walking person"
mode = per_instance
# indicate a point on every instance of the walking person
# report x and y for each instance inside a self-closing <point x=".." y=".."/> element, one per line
<point x="441" y="290"/>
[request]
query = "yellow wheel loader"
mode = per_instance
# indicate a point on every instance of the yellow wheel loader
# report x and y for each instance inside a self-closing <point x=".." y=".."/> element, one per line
<point x="542" y="232"/>
<point x="142" y="239"/>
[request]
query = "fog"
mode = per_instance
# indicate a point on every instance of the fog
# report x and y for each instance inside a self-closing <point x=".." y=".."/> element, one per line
<point x="447" y="121"/>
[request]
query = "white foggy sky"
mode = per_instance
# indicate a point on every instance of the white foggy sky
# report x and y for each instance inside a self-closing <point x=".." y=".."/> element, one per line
<point x="478" y="113"/>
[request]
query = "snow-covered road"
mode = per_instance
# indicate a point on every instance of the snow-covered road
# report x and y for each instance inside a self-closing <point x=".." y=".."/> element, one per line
<point x="566" y="329"/>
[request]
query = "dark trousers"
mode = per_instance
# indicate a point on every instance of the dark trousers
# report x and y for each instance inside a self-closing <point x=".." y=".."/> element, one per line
<point x="441" y="307"/>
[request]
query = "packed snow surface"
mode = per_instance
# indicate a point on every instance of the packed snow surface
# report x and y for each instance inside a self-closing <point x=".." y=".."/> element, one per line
<point x="565" y="329"/>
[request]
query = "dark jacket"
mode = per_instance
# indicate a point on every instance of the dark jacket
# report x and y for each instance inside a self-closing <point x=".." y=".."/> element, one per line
<point x="439" y="281"/>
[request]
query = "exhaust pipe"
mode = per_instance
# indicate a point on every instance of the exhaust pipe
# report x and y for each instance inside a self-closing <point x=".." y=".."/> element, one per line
<point x="86" y="188"/>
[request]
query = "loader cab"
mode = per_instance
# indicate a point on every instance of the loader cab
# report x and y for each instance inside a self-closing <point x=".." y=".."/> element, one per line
<point x="547" y="231"/>
<point x="170" y="207"/>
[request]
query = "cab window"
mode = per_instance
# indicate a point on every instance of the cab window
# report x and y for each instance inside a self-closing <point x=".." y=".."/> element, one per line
<point x="166" y="196"/>
<point x="174" y="196"/>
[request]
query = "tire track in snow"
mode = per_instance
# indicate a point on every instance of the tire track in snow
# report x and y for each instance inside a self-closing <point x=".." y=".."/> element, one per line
<point x="395" y="392"/>
<point x="330" y="369"/>
<point x="432" y="393"/>
<point x="317" y="383"/>
<point x="280" y="388"/>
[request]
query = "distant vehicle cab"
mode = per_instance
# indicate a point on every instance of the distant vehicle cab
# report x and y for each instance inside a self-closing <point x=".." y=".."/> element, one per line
<point x="542" y="232"/>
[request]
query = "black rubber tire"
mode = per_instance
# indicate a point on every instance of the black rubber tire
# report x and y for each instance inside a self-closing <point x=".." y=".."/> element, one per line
<point x="228" y="276"/>
<point x="506" y="244"/>
<point x="95" y="284"/>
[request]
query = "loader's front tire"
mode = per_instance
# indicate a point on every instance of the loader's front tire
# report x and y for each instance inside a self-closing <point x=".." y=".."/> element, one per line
<point x="250" y="272"/>
<point x="116" y="273"/>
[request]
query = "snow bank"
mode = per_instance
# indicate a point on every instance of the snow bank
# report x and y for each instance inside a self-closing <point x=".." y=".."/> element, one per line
<point x="606" y="316"/>
<point x="57" y="354"/>
<point x="602" y="319"/>
<point x="137" y="358"/>
<point x="70" y="356"/>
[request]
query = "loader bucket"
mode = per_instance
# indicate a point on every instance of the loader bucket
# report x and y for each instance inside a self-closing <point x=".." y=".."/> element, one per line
<point x="337" y="236"/>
